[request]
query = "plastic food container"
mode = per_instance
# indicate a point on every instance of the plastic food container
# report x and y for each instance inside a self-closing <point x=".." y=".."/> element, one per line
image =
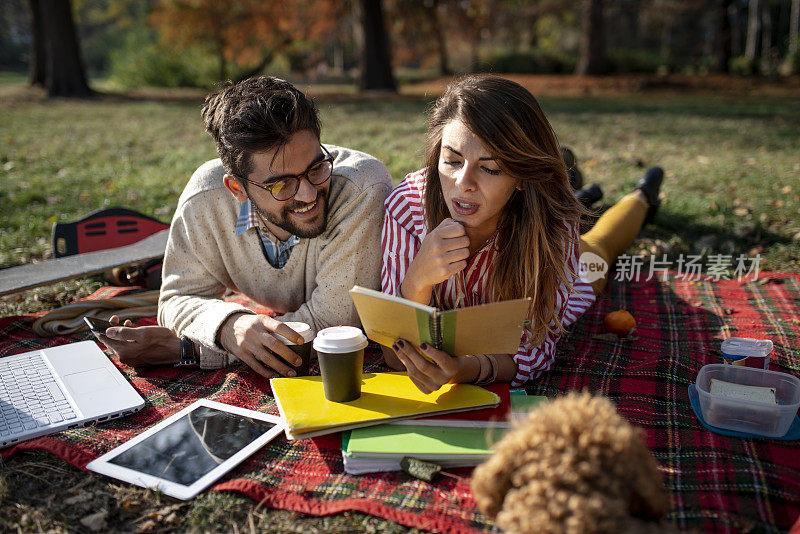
<point x="765" y="419"/>
<point x="735" y="350"/>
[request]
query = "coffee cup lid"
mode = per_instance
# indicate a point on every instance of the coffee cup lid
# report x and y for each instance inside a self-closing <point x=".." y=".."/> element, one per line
<point x="340" y="339"/>
<point x="301" y="328"/>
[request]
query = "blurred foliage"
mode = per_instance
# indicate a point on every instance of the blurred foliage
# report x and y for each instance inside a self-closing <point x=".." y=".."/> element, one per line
<point x="790" y="65"/>
<point x="14" y="37"/>
<point x="246" y="33"/>
<point x="626" y="60"/>
<point x="198" y="42"/>
<point x="742" y="65"/>
<point x="557" y="33"/>
<point x="538" y="62"/>
<point x="105" y="26"/>
<point x="143" y="60"/>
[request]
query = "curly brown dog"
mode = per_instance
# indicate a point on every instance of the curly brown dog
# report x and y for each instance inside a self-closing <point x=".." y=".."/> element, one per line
<point x="574" y="465"/>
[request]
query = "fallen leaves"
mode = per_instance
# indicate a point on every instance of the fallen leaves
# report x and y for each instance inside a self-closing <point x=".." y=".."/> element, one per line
<point x="81" y="497"/>
<point x="96" y="521"/>
<point x="161" y="518"/>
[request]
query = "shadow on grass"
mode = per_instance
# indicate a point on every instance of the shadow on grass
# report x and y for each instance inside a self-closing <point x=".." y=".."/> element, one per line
<point x="689" y="230"/>
<point x="678" y="105"/>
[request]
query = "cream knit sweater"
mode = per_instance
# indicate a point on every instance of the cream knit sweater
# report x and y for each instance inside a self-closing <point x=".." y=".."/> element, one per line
<point x="204" y="256"/>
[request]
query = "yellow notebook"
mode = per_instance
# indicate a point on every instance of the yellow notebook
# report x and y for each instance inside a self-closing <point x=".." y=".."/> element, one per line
<point x="384" y="397"/>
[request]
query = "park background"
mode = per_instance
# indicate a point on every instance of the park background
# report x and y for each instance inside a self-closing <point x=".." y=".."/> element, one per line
<point x="100" y="101"/>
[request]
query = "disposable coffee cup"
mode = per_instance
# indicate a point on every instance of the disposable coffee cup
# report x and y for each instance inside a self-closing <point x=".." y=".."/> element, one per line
<point x="340" y="350"/>
<point x="304" y="350"/>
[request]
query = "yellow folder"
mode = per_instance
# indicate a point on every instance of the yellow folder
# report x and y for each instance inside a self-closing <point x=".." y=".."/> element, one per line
<point x="384" y="397"/>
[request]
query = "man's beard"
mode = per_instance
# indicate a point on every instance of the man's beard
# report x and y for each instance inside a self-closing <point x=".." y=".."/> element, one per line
<point x="284" y="220"/>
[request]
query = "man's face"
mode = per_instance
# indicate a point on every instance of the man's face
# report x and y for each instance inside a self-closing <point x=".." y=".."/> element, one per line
<point x="306" y="213"/>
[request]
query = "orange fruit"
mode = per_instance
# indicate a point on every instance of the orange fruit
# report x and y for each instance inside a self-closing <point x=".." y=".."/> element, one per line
<point x="620" y="322"/>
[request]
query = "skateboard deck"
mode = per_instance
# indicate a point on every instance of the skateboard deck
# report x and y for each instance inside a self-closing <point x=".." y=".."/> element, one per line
<point x="15" y="279"/>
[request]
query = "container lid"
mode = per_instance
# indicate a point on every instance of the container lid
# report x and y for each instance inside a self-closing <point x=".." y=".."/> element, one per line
<point x="744" y="347"/>
<point x="340" y="339"/>
<point x="301" y="328"/>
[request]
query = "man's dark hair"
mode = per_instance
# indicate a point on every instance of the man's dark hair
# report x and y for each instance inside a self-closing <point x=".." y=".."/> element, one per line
<point x="256" y="115"/>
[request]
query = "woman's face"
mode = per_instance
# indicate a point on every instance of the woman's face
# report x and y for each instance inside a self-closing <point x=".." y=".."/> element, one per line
<point x="475" y="188"/>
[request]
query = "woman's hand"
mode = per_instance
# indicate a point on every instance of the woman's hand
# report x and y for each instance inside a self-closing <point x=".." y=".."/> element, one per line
<point x="432" y="373"/>
<point x="443" y="253"/>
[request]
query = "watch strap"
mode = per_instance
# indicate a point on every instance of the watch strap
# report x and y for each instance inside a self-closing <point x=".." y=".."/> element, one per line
<point x="188" y="353"/>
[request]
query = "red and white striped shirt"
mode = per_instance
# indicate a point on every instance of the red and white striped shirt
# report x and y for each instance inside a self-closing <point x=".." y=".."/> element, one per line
<point x="403" y="231"/>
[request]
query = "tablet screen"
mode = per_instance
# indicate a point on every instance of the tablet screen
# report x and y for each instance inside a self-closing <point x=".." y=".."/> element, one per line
<point x="189" y="448"/>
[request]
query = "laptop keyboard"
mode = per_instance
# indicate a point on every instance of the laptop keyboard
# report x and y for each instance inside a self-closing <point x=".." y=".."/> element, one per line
<point x="30" y="397"/>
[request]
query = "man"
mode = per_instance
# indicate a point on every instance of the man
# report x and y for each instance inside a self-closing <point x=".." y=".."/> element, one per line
<point x="284" y="220"/>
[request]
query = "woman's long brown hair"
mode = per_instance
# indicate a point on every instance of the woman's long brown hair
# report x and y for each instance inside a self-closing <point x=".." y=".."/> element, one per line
<point x="532" y="234"/>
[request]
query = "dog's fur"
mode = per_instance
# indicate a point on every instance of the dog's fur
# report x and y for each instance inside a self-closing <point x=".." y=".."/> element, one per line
<point x="573" y="465"/>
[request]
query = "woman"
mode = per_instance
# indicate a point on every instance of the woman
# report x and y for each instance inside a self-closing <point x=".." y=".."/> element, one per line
<point x="492" y="217"/>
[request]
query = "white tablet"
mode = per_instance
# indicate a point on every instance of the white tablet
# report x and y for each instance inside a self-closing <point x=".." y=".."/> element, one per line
<point x="183" y="454"/>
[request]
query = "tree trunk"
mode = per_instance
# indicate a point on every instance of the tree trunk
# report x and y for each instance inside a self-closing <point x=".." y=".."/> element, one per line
<point x="766" y="28"/>
<point x="794" y="27"/>
<point x="441" y="41"/>
<point x="376" y="66"/>
<point x="266" y="60"/>
<point x="223" y="67"/>
<point x="737" y="36"/>
<point x="753" y="29"/>
<point x="592" y="60"/>
<point x="722" y="41"/>
<point x="65" y="74"/>
<point x="475" y="50"/>
<point x="36" y="72"/>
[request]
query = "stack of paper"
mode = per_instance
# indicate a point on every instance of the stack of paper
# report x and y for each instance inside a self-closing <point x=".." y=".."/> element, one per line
<point x="447" y="442"/>
<point x="384" y="397"/>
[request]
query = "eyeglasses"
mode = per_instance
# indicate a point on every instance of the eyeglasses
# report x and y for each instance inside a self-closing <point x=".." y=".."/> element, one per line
<point x="286" y="188"/>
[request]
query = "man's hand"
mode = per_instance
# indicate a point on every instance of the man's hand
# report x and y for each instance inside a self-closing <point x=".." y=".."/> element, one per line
<point x="429" y="372"/>
<point x="251" y="338"/>
<point x="142" y="346"/>
<point x="443" y="253"/>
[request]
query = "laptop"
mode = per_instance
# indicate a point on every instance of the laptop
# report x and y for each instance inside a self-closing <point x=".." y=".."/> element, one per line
<point x="49" y="390"/>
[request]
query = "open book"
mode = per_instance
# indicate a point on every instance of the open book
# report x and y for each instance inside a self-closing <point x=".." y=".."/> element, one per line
<point x="494" y="328"/>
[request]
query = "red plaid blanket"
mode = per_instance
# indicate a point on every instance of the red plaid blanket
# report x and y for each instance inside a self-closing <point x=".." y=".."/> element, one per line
<point x="716" y="483"/>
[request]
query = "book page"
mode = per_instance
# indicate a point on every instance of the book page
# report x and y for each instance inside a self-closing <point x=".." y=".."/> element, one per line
<point x="494" y="328"/>
<point x="387" y="318"/>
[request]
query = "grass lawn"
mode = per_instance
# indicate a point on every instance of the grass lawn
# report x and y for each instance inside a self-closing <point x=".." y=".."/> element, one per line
<point x="732" y="187"/>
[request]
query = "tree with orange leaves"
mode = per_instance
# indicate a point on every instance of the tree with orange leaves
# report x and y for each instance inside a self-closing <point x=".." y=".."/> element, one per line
<point x="248" y="33"/>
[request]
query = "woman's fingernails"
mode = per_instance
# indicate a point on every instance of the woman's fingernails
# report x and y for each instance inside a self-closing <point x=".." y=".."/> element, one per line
<point x="111" y="332"/>
<point x="297" y="362"/>
<point x="424" y="346"/>
<point x="291" y="373"/>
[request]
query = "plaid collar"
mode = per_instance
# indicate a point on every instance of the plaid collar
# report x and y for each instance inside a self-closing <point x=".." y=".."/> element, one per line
<point x="276" y="252"/>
